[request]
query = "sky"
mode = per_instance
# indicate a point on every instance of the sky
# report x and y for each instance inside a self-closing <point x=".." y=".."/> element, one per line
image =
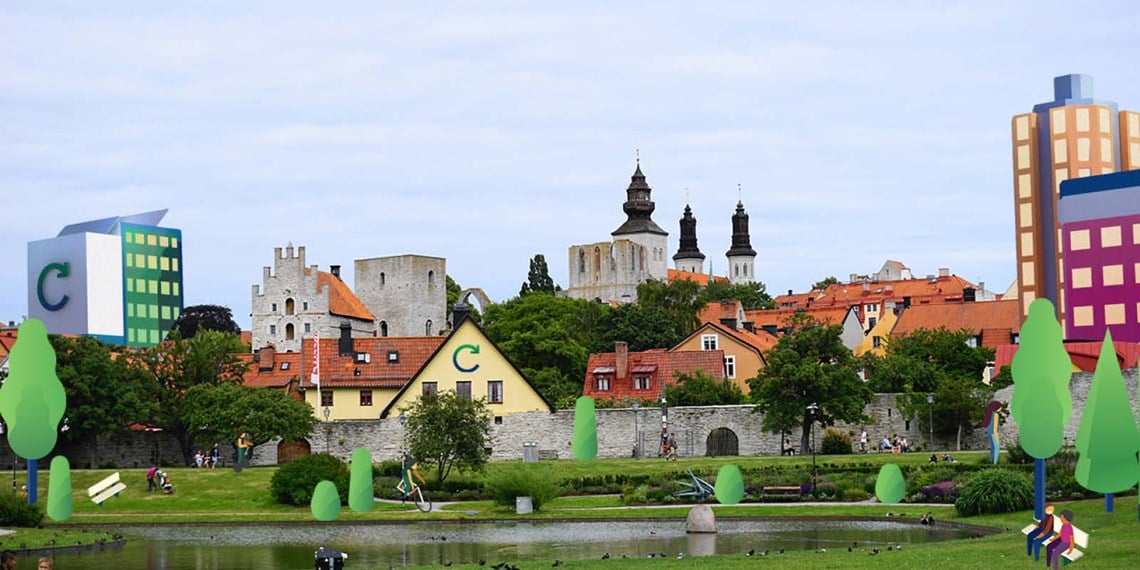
<point x="488" y="132"/>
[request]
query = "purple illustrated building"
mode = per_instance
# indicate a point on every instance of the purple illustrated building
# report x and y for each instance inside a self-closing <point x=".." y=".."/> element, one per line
<point x="1100" y="228"/>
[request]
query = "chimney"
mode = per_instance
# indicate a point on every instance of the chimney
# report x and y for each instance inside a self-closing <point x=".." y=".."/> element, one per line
<point x="265" y="357"/>
<point x="770" y="329"/>
<point x="344" y="344"/>
<point x="459" y="313"/>
<point x="335" y="270"/>
<point x="789" y="291"/>
<point x="621" y="359"/>
<point x="943" y="271"/>
<point x="854" y="276"/>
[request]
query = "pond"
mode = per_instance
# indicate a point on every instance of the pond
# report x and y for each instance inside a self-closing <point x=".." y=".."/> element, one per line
<point x="381" y="545"/>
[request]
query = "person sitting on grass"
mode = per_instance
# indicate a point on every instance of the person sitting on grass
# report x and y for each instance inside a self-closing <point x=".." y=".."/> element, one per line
<point x="408" y="474"/>
<point x="885" y="445"/>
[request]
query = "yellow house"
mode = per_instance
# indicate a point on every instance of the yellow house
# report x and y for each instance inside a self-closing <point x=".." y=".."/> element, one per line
<point x="469" y="364"/>
<point x="876" y="340"/>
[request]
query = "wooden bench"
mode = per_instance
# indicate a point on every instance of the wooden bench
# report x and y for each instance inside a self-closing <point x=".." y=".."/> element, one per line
<point x="777" y="491"/>
<point x="105" y="489"/>
<point x="1080" y="539"/>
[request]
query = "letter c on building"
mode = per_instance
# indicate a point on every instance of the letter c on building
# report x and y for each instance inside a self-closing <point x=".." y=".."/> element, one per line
<point x="64" y="270"/>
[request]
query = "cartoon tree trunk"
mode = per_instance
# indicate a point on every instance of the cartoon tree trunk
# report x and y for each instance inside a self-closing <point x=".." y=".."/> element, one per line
<point x="1041" y="404"/>
<point x="1106" y="438"/>
<point x="32" y="399"/>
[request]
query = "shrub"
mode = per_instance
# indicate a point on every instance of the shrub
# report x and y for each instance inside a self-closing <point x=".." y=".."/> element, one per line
<point x="15" y="511"/>
<point x="293" y="483"/>
<point x="995" y="491"/>
<point x="388" y="468"/>
<point x="856" y="495"/>
<point x="539" y="482"/>
<point x="635" y="495"/>
<point x="835" y="442"/>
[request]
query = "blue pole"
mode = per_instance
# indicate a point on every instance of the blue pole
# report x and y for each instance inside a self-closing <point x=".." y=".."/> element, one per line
<point x="1038" y="489"/>
<point x="33" y="476"/>
<point x="1108" y="502"/>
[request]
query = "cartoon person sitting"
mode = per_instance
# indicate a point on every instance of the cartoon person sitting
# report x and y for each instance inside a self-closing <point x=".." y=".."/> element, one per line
<point x="1041" y="533"/>
<point x="408" y="474"/>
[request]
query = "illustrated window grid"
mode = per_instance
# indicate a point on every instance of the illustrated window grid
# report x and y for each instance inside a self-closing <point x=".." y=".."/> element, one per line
<point x="430" y="388"/>
<point x="463" y="389"/>
<point x="602" y="383"/>
<point x="326" y="398"/>
<point x="366" y="397"/>
<point x="640" y="382"/>
<point x="709" y="342"/>
<point x="494" y="391"/>
<point x="1110" y="236"/>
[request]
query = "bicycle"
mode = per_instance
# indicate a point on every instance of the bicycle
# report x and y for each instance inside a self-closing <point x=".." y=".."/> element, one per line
<point x="418" y="496"/>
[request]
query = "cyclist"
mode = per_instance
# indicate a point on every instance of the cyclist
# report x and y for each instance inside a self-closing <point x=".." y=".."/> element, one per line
<point x="410" y="469"/>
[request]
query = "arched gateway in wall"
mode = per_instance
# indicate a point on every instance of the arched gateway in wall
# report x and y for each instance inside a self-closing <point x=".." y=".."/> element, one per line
<point x="722" y="441"/>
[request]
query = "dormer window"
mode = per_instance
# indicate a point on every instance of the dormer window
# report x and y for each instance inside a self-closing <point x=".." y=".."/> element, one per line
<point x="363" y="357"/>
<point x="284" y="365"/>
<point x="393" y="356"/>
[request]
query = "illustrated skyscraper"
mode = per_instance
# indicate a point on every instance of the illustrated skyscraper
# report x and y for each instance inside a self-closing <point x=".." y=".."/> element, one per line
<point x="1072" y="136"/>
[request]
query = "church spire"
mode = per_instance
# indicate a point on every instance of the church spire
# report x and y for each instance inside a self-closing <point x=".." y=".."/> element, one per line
<point x="689" y="256"/>
<point x="638" y="207"/>
<point x="741" y="242"/>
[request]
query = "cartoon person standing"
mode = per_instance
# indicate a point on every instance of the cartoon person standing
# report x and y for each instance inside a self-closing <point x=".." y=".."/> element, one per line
<point x="990" y="422"/>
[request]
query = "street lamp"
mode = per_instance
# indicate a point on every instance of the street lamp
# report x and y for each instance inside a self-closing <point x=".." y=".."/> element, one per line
<point x="636" y="438"/>
<point x="664" y="426"/>
<point x="812" y="409"/>
<point x="930" y="408"/>
<point x="328" y="429"/>
<point x="403" y="433"/>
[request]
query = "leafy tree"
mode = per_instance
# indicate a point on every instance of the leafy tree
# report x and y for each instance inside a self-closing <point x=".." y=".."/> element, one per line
<point x="453" y="290"/>
<point x="1041" y="403"/>
<point x="752" y="295"/>
<point x="810" y="365"/>
<point x="700" y="389"/>
<point x="447" y="431"/>
<point x="205" y="317"/>
<point x="824" y="283"/>
<point x="1107" y="437"/>
<point x="957" y="407"/>
<point x="538" y="279"/>
<point x="176" y="365"/>
<point x="945" y="349"/>
<point x="643" y="327"/>
<point x="103" y="389"/>
<point x="900" y="373"/>
<point x="679" y="302"/>
<point x="221" y="412"/>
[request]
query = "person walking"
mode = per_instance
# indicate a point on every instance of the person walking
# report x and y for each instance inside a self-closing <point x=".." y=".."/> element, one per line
<point x="863" y="442"/>
<point x="215" y="451"/>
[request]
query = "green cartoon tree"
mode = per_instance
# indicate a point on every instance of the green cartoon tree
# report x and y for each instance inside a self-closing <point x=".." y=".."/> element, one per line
<point x="890" y="485"/>
<point x="1041" y="404"/>
<point x="325" y="503"/>
<point x="59" y="489"/>
<point x="360" y="482"/>
<point x="729" y="485"/>
<point x="1106" y="438"/>
<point x="585" y="438"/>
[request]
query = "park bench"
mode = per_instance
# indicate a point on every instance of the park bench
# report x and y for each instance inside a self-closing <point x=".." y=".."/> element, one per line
<point x="105" y="489"/>
<point x="1080" y="539"/>
<point x="778" y="491"/>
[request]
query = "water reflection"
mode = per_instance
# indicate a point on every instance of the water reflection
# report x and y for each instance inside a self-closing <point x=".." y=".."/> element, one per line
<point x="292" y="546"/>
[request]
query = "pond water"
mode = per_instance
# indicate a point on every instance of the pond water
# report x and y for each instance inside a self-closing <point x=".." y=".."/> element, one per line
<point x="381" y="545"/>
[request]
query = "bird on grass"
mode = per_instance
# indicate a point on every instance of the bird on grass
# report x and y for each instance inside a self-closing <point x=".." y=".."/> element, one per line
<point x="499" y="566"/>
<point x="780" y="551"/>
<point x="822" y="551"/>
<point x="680" y="555"/>
<point x="556" y="564"/>
<point x="606" y="556"/>
<point x="874" y="551"/>
<point x="482" y="561"/>
<point x="448" y="563"/>
<point x="751" y="551"/>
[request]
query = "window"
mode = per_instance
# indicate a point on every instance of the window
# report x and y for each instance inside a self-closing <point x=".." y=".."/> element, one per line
<point x="498" y="420"/>
<point x="872" y="307"/>
<point x="427" y="328"/>
<point x="708" y="342"/>
<point x="326" y="398"/>
<point x="284" y="365"/>
<point x="1110" y="236"/>
<point x="305" y="306"/>
<point x="871" y="322"/>
<point x="366" y="397"/>
<point x="393" y="356"/>
<point x="383" y="328"/>
<point x="876" y="341"/>
<point x="602" y="383"/>
<point x="382" y="279"/>
<point x="289" y="306"/>
<point x="273" y="307"/>
<point x="640" y="382"/>
<point x="289" y="331"/>
<point x="308" y="327"/>
<point x="730" y="366"/>
<point x="972" y="342"/>
<point x="364" y="357"/>
<point x="463" y="389"/>
<point x="581" y="260"/>
<point x="273" y="330"/>
<point x="431" y="388"/>
<point x="431" y="278"/>
<point x="494" y="391"/>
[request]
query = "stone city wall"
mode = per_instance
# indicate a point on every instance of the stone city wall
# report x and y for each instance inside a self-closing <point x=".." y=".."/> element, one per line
<point x="620" y="432"/>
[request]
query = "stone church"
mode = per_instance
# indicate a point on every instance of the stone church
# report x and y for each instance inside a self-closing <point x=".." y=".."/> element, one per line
<point x="403" y="295"/>
<point x="611" y="270"/>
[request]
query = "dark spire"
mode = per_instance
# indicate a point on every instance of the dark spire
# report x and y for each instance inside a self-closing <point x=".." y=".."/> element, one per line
<point x="688" y="249"/>
<point x="741" y="244"/>
<point x="638" y="207"/>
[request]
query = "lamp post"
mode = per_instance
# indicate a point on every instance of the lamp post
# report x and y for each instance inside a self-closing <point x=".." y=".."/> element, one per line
<point x="403" y="434"/>
<point x="328" y="429"/>
<point x="930" y="409"/>
<point x="636" y="439"/>
<point x="811" y="410"/>
<point x="664" y="425"/>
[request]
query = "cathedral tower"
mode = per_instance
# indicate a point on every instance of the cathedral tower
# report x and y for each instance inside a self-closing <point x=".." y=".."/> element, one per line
<point x="689" y="256"/>
<point x="741" y="257"/>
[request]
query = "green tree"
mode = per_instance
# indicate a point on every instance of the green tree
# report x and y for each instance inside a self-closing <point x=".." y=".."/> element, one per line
<point x="729" y="486"/>
<point x="1107" y="437"/>
<point x="679" y="302"/>
<point x="890" y="486"/>
<point x="103" y="389"/>
<point x="809" y="366"/>
<point x="642" y="327"/>
<point x="752" y="295"/>
<point x="223" y="411"/>
<point x="957" y="406"/>
<point x="701" y="389"/>
<point x="446" y="431"/>
<point x="538" y="278"/>
<point x="32" y="399"/>
<point x="1041" y="404"/>
<point x="584" y="442"/>
<point x="944" y="349"/>
<point x="824" y="283"/>
<point x="205" y="317"/>
<point x="900" y="373"/>
<point x="176" y="365"/>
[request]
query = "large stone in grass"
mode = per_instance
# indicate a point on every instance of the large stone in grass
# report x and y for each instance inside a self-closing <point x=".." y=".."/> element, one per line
<point x="701" y="519"/>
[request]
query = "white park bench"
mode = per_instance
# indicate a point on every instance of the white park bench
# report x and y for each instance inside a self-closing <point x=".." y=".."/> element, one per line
<point x="1080" y="539"/>
<point x="105" y="489"/>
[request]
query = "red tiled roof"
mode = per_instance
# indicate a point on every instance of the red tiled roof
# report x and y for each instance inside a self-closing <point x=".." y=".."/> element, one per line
<point x="782" y="317"/>
<point x="341" y="371"/>
<point x="996" y="321"/>
<point x="667" y="365"/>
<point x="699" y="278"/>
<point x="280" y="370"/>
<point x="7" y="341"/>
<point x="342" y="301"/>
<point x="716" y="310"/>
<point x="1083" y="354"/>
<point x="946" y="289"/>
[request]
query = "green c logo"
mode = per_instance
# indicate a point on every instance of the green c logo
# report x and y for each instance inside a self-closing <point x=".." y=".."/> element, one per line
<point x="64" y="271"/>
<point x="473" y="348"/>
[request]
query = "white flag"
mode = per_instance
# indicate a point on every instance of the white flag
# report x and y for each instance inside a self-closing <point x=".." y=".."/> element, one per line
<point x="315" y="378"/>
